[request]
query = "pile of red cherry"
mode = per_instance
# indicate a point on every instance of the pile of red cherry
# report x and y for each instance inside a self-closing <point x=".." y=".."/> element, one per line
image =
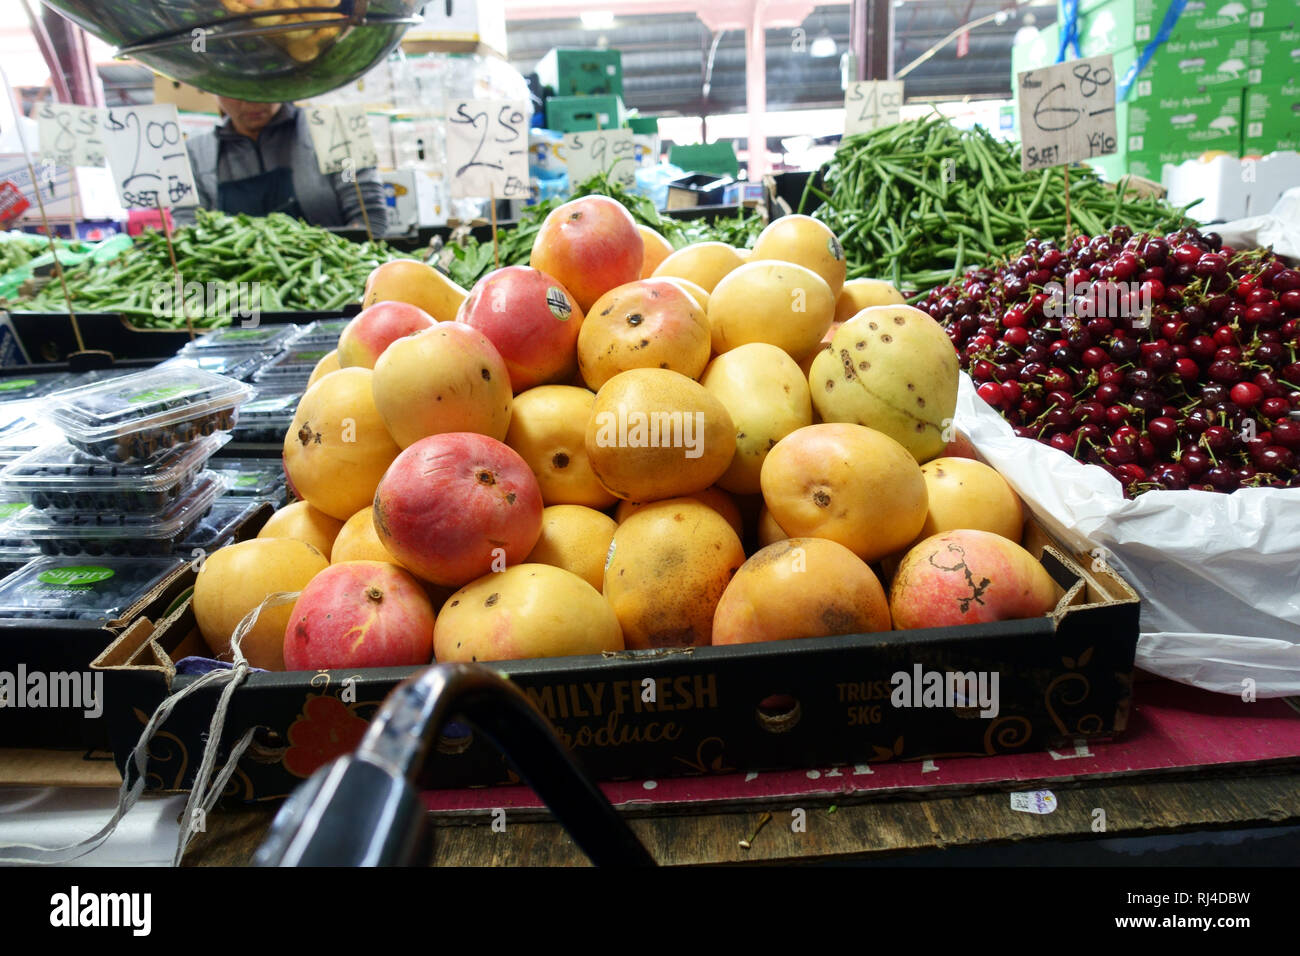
<point x="1170" y="361"/>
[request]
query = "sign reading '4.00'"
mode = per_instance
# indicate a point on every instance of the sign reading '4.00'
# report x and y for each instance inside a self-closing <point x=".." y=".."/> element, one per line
<point x="341" y="137"/>
<point x="1067" y="112"/>
<point x="146" y="153"/>
<point x="869" y="104"/>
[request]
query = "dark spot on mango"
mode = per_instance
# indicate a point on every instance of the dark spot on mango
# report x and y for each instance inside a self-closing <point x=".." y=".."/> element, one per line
<point x="864" y="366"/>
<point x="821" y="499"/>
<point x="634" y="319"/>
<point x="886" y="338"/>
<point x="860" y="346"/>
<point x="900" y="320"/>
<point x="453" y="604"/>
<point x="486" y="477"/>
<point x="872" y="326"/>
<point x="487" y="376"/>
<point x="510" y="498"/>
<point x="837" y="620"/>
<point x="492" y="599"/>
<point x="920" y="402"/>
<point x="560" y="460"/>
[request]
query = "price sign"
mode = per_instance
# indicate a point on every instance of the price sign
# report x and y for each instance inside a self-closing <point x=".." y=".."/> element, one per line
<point x="71" y="135"/>
<point x="607" y="151"/>
<point x="871" y="103"/>
<point x="341" y="137"/>
<point x="146" y="153"/>
<point x="487" y="149"/>
<point x="1067" y="112"/>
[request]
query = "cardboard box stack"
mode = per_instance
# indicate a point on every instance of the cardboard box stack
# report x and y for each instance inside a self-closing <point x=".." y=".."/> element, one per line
<point x="1226" y="79"/>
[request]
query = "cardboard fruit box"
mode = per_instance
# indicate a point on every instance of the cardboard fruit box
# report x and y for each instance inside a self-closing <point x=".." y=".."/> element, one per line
<point x="817" y="702"/>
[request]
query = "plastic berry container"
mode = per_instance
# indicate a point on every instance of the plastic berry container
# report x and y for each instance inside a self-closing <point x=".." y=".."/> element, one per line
<point x="260" y="479"/>
<point x="297" y="363"/>
<point x="121" y="535"/>
<point x="220" y="525"/>
<point x="18" y="388"/>
<point x="58" y="477"/>
<point x="138" y="417"/>
<point x="79" y="589"/>
<point x="321" y="333"/>
<point x="232" y="363"/>
<point x="264" y="420"/>
<point x="263" y="338"/>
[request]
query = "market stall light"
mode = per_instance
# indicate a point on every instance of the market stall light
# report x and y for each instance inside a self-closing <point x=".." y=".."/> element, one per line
<point x="823" y="46"/>
<point x="597" y="19"/>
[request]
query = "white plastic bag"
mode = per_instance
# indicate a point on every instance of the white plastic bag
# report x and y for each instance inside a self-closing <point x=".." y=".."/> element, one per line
<point x="1219" y="575"/>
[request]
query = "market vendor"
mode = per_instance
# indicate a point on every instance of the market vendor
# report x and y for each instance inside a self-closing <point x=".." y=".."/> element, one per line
<point x="259" y="160"/>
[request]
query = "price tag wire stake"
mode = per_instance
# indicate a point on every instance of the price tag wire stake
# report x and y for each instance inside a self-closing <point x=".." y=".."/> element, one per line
<point x="365" y="215"/>
<point x="492" y="211"/>
<point x="40" y="204"/>
<point x="180" y="280"/>
<point x="1066" y="170"/>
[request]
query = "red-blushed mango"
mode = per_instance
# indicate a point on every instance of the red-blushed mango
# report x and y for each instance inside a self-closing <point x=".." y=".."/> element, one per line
<point x="548" y="427"/>
<point x="703" y="263"/>
<point x="448" y="378"/>
<point x="667" y="568"/>
<point x="591" y="245"/>
<point x="239" y="577"/>
<point x="969" y="494"/>
<point x="533" y="321"/>
<point x="301" y="521"/>
<point x="360" y="614"/>
<point x="715" y="498"/>
<point x="576" y="539"/>
<point x="338" y="446"/>
<point x="800" y="587"/>
<point x="780" y="303"/>
<point x="528" y="611"/>
<point x="372" y="330"/>
<point x="651" y="323"/>
<point x="806" y="241"/>
<point x="969" y="577"/>
<point x="415" y="283"/>
<point x="454" y="507"/>
<point x="848" y="483"/>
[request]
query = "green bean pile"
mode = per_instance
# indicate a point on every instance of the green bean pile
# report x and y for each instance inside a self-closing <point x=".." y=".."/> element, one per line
<point x="919" y="202"/>
<point x="298" y="267"/>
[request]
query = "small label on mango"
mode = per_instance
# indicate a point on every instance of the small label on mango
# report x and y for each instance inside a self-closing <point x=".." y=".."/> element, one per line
<point x="558" y="303"/>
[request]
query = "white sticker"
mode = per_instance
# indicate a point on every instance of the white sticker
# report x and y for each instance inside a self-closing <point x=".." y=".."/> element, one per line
<point x="146" y="153"/>
<point x="1067" y="112"/>
<point x="871" y="103"/>
<point x="1034" y="801"/>
<point x="341" y="137"/>
<point x="602" y="151"/>
<point x="487" y="149"/>
<point x="71" y="135"/>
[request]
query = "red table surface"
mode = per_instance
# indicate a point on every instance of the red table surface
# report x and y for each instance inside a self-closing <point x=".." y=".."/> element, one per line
<point x="1172" y="728"/>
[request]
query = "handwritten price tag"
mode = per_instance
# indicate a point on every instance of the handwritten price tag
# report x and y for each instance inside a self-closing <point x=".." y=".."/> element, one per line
<point x="147" y="156"/>
<point x="341" y="137"/>
<point x="608" y="151"/>
<point x="871" y="103"/>
<point x="71" y="135"/>
<point x="1067" y="112"/>
<point x="487" y="149"/>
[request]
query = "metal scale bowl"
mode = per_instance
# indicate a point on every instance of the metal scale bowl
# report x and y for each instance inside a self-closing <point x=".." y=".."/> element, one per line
<point x="261" y="50"/>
